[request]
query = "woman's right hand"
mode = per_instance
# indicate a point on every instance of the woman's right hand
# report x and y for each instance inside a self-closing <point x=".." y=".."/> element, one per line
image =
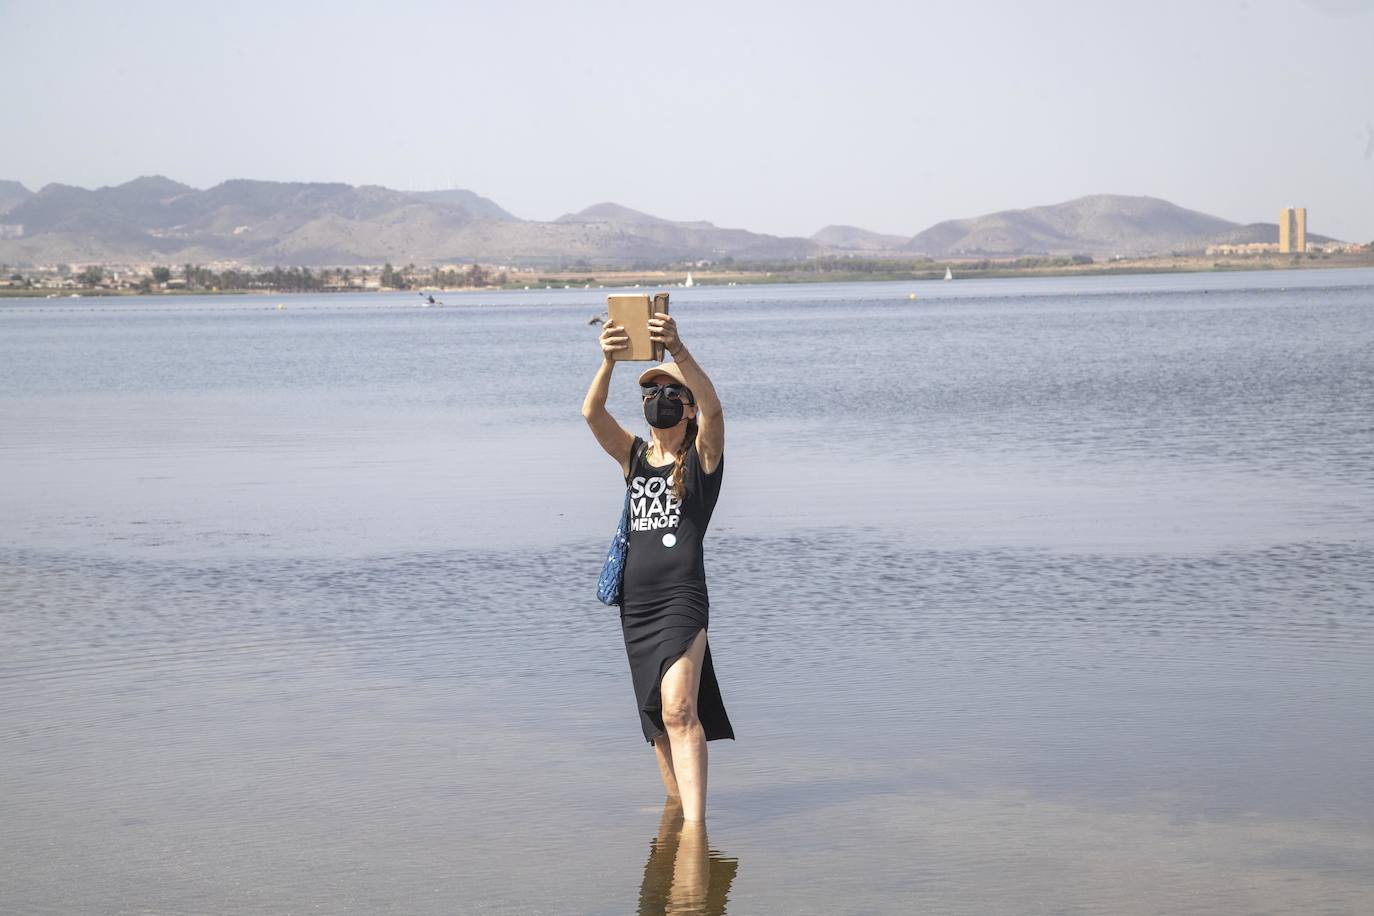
<point x="612" y="339"/>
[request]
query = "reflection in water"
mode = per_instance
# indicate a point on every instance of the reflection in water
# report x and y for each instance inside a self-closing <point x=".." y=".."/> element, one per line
<point x="683" y="874"/>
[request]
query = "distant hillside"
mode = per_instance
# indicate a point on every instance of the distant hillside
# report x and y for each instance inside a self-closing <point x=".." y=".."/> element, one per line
<point x="156" y="219"/>
<point x="612" y="213"/>
<point x="1101" y="224"/>
<point x="856" y="239"/>
<point x="473" y="203"/>
<point x="314" y="223"/>
<point x="12" y="194"/>
<point x="705" y="240"/>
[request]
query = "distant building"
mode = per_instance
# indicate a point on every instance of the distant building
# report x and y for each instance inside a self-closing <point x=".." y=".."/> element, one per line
<point x="1293" y="230"/>
<point x="1242" y="248"/>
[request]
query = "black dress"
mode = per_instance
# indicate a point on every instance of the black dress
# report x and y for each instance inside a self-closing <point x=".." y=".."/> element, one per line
<point x="664" y="601"/>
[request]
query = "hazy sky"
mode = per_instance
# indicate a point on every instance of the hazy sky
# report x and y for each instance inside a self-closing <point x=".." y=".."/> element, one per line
<point x="777" y="117"/>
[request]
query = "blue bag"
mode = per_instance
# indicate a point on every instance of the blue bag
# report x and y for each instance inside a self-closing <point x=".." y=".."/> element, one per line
<point x="611" y="583"/>
<point x="609" y="586"/>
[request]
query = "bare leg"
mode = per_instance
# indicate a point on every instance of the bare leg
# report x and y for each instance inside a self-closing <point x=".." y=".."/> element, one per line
<point x="664" y="752"/>
<point x="687" y="738"/>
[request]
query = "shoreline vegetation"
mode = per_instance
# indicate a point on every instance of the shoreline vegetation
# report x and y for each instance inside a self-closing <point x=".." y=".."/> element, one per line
<point x="199" y="281"/>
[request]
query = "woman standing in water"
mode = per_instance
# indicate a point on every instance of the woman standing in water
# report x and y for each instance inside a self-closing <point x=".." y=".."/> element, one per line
<point x="674" y="480"/>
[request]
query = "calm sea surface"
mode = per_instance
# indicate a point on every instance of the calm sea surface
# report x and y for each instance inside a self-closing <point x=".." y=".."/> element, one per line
<point x="1029" y="596"/>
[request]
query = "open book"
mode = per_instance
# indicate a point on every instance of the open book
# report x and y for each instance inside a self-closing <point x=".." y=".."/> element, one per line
<point x="632" y="311"/>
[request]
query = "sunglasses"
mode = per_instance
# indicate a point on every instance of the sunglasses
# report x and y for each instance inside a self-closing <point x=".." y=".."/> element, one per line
<point x="671" y="391"/>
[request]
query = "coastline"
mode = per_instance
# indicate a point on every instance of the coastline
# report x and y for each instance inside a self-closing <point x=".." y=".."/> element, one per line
<point x="617" y="278"/>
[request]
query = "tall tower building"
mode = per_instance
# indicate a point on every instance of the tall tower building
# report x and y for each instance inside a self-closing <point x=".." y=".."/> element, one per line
<point x="1293" y="230"/>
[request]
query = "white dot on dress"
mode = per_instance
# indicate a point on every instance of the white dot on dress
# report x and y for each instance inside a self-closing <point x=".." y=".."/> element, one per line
<point x="669" y="540"/>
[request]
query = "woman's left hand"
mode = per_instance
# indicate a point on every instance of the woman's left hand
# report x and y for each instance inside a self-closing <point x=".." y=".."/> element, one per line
<point x="663" y="329"/>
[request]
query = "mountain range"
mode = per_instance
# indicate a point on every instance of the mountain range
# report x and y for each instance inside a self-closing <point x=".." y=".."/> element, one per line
<point x="156" y="219"/>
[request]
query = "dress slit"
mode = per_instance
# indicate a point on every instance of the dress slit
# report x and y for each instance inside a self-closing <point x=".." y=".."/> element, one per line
<point x="654" y="705"/>
<point x="710" y="707"/>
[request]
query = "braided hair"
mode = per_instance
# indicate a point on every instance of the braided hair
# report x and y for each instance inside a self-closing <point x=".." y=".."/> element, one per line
<point x="680" y="461"/>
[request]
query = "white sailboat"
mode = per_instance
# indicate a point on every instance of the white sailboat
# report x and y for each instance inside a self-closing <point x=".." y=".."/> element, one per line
<point x="689" y="279"/>
<point x="948" y="274"/>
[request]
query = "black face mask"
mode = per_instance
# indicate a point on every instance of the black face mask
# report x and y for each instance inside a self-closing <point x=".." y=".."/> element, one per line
<point x="662" y="412"/>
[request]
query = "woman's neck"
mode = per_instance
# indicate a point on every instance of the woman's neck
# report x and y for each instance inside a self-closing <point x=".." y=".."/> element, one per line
<point x="667" y="441"/>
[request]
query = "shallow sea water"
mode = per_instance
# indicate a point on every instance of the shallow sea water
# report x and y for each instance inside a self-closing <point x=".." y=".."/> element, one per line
<point x="1028" y="596"/>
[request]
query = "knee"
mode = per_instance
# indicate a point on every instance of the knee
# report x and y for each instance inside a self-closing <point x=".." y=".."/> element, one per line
<point x="679" y="713"/>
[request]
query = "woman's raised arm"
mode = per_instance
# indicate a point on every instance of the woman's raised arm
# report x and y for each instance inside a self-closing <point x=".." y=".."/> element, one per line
<point x="614" y="438"/>
<point x="710" y="418"/>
